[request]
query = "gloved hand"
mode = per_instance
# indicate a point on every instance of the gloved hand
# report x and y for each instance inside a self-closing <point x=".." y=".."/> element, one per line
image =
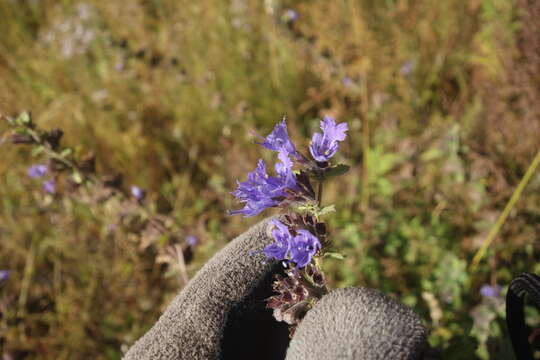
<point x="221" y="314"/>
<point x="358" y="323"/>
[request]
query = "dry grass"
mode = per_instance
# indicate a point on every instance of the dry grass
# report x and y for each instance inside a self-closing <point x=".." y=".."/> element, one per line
<point x="441" y="98"/>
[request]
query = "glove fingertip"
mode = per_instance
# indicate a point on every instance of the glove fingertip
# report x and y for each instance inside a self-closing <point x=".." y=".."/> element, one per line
<point x="358" y="323"/>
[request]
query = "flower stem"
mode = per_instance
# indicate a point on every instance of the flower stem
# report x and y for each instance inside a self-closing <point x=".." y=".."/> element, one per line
<point x="319" y="195"/>
<point x="49" y="151"/>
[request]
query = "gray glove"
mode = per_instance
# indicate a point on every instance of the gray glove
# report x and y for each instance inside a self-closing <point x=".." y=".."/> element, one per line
<point x="358" y="323"/>
<point x="221" y="314"/>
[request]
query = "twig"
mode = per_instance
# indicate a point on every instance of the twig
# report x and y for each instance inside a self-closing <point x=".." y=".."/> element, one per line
<point x="182" y="264"/>
<point x="502" y="218"/>
<point x="27" y="277"/>
<point x="364" y="202"/>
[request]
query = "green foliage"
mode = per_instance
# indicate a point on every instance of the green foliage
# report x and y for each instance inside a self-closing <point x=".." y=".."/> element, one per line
<point x="443" y="116"/>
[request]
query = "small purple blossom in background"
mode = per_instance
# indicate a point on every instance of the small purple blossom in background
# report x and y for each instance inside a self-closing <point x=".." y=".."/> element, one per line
<point x="49" y="186"/>
<point x="4" y="276"/>
<point x="291" y="15"/>
<point x="192" y="240"/>
<point x="137" y="193"/>
<point x="324" y="146"/>
<point x="347" y="81"/>
<point x="490" y="291"/>
<point x="37" y="171"/>
<point x="303" y="247"/>
<point x="111" y="228"/>
<point x="279" y="249"/>
<point x="278" y="139"/>
<point x="407" y="68"/>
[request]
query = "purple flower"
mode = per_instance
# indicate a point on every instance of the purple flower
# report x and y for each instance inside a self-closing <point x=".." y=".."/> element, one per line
<point x="490" y="291"/>
<point x="137" y="193"/>
<point x="192" y="240"/>
<point x="291" y="15"/>
<point x="324" y="146"/>
<point x="284" y="170"/>
<point x="347" y="81"/>
<point x="258" y="192"/>
<point x="49" y="186"/>
<point x="407" y="68"/>
<point x="111" y="228"/>
<point x="278" y="139"/>
<point x="4" y="276"/>
<point x="37" y="171"/>
<point x="278" y="250"/>
<point x="262" y="191"/>
<point x="303" y="247"/>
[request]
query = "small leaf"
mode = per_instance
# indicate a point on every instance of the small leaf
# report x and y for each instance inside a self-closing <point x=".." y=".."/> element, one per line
<point x="66" y="152"/>
<point x="336" y="171"/>
<point x="431" y="154"/>
<point x="24" y="118"/>
<point x="37" y="150"/>
<point x="77" y="177"/>
<point x="327" y="210"/>
<point x="334" y="255"/>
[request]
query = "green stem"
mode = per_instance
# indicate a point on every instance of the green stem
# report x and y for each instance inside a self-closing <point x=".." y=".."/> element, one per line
<point x="27" y="278"/>
<point x="49" y="151"/>
<point x="364" y="201"/>
<point x="508" y="208"/>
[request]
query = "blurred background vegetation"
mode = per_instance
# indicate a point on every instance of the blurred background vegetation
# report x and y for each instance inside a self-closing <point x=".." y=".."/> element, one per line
<point x="443" y="103"/>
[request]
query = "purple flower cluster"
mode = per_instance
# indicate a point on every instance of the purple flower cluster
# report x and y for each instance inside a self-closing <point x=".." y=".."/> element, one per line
<point x="261" y="190"/>
<point x="299" y="249"/>
<point x="300" y="235"/>
<point x="39" y="171"/>
<point x="293" y="242"/>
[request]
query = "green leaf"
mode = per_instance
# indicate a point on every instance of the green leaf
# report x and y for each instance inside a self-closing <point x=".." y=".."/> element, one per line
<point x="77" y="177"/>
<point x="336" y="171"/>
<point x="66" y="152"/>
<point x="334" y="255"/>
<point x="431" y="154"/>
<point x="37" y="150"/>
<point x="327" y="209"/>
<point x="24" y="118"/>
